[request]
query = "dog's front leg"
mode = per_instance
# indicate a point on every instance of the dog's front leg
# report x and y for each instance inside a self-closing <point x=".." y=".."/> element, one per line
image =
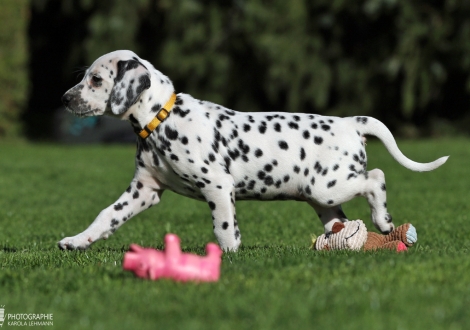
<point x="224" y="220"/>
<point x="135" y="199"/>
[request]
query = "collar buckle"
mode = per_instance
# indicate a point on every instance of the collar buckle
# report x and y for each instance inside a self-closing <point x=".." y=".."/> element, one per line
<point x="157" y="120"/>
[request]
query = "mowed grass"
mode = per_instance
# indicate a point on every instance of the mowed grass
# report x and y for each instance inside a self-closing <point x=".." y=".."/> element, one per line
<point x="48" y="192"/>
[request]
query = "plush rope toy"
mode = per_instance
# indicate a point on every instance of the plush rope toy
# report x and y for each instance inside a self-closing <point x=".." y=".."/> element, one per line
<point x="353" y="235"/>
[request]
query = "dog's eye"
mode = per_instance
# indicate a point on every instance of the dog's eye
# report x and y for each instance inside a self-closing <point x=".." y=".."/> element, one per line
<point x="96" y="79"/>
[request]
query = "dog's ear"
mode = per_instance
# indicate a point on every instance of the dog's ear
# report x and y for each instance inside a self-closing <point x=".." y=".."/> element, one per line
<point x="131" y="80"/>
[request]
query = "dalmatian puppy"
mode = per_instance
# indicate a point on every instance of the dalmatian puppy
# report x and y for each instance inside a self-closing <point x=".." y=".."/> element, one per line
<point x="217" y="155"/>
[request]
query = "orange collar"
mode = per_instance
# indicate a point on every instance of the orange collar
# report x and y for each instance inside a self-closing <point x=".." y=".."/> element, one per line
<point x="161" y="116"/>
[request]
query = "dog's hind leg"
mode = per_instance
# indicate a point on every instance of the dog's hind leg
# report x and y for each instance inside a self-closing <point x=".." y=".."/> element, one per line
<point x="370" y="185"/>
<point x="374" y="190"/>
<point x="224" y="219"/>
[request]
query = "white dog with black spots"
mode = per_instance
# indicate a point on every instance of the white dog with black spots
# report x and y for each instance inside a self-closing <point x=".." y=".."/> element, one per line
<point x="210" y="153"/>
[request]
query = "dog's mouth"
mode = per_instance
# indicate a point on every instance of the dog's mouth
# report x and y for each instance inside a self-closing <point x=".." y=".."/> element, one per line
<point x="82" y="114"/>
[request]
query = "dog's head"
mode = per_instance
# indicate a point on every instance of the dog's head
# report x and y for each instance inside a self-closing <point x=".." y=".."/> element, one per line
<point x="112" y="84"/>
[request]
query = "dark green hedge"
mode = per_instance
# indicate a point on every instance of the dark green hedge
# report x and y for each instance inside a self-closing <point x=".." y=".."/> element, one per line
<point x="401" y="61"/>
<point x="13" y="65"/>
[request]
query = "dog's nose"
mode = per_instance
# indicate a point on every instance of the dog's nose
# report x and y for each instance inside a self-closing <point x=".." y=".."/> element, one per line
<point x="66" y="98"/>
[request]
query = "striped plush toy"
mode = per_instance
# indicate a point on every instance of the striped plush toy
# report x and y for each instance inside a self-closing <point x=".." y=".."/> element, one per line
<point x="353" y="235"/>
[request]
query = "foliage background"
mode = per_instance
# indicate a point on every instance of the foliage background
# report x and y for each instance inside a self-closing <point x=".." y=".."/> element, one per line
<point x="404" y="62"/>
<point x="13" y="65"/>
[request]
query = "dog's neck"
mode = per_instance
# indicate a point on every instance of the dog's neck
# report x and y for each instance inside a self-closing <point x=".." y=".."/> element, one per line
<point x="150" y="102"/>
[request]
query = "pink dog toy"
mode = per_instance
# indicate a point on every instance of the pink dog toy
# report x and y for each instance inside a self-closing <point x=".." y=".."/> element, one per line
<point x="172" y="263"/>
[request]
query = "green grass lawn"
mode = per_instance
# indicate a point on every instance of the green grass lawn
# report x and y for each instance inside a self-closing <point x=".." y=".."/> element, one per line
<point x="48" y="192"/>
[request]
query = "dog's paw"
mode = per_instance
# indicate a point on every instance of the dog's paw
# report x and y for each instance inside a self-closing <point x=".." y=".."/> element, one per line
<point x="74" y="243"/>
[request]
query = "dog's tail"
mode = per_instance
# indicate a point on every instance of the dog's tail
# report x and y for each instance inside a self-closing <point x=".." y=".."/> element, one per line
<point x="372" y="126"/>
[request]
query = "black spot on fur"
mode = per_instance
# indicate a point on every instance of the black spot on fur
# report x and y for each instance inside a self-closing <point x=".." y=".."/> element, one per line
<point x="170" y="133"/>
<point x="331" y="183"/>
<point x="302" y="154"/>
<point x="361" y="120"/>
<point x="156" y="107"/>
<point x="243" y="147"/>
<point x="227" y="162"/>
<point x="258" y="153"/>
<point x="293" y="125"/>
<point x="318" y="140"/>
<point x="277" y="127"/>
<point x="241" y="184"/>
<point x="269" y="181"/>
<point x="317" y="167"/>
<point x="283" y="145"/>
<point x="212" y="205"/>
<point x="178" y="111"/>
<point x="118" y="207"/>
<point x="200" y="184"/>
<point x="306" y="135"/>
<point x="308" y="190"/>
<point x="262" y="128"/>
<point x="225" y="225"/>
<point x="234" y="154"/>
